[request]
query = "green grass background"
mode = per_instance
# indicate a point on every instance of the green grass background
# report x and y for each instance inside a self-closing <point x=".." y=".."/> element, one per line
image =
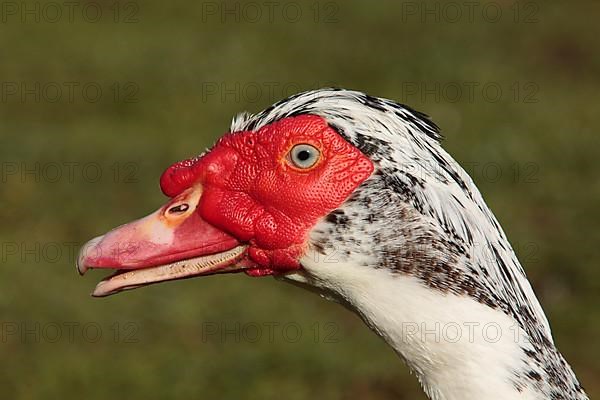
<point x="172" y="52"/>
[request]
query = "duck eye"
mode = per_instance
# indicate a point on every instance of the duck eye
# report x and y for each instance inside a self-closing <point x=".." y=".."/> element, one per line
<point x="178" y="209"/>
<point x="304" y="155"/>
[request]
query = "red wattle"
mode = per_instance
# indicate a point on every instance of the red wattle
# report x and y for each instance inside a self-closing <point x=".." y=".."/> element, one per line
<point x="252" y="191"/>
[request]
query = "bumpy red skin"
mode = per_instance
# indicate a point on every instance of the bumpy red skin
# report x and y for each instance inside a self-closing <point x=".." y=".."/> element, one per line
<point x="252" y="190"/>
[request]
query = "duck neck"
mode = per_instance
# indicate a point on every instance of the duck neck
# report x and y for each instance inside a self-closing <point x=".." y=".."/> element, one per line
<point x="457" y="347"/>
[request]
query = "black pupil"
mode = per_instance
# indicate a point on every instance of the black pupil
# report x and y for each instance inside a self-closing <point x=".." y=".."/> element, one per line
<point x="303" y="155"/>
<point x="180" y="208"/>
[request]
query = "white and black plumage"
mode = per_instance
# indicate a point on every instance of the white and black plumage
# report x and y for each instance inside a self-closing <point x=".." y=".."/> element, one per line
<point x="408" y="244"/>
<point x="417" y="250"/>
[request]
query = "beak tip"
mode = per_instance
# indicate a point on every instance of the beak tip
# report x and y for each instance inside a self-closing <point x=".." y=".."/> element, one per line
<point x="81" y="264"/>
<point x="100" y="290"/>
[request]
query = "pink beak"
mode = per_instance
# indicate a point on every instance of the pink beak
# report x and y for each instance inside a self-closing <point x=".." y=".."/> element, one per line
<point x="172" y="243"/>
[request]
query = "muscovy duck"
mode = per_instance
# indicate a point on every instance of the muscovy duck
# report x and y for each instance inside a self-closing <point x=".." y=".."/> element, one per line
<point x="353" y="197"/>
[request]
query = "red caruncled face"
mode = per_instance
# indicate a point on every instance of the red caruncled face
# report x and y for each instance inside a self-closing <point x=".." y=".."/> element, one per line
<point x="253" y="190"/>
<point x="247" y="205"/>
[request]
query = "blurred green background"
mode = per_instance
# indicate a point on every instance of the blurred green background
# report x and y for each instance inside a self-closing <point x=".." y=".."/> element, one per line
<point x="95" y="106"/>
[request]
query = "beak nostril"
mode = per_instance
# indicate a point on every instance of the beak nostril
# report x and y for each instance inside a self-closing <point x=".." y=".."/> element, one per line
<point x="178" y="209"/>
